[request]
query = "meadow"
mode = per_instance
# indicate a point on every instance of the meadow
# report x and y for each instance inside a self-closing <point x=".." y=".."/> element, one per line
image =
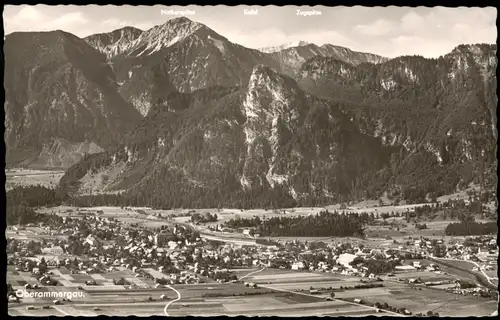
<point x="28" y="177"/>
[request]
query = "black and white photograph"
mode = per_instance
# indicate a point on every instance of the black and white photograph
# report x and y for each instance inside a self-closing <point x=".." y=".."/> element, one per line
<point x="288" y="161"/>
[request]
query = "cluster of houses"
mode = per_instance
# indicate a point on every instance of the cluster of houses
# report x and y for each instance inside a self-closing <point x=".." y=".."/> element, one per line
<point x="478" y="249"/>
<point x="96" y="244"/>
<point x="476" y="291"/>
<point x="482" y="248"/>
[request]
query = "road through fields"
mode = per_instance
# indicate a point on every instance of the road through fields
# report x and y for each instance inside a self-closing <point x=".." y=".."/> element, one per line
<point x="170" y="302"/>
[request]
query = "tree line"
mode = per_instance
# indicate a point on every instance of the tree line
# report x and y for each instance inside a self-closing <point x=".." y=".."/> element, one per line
<point x="322" y="224"/>
<point x="21" y="202"/>
<point x="464" y="228"/>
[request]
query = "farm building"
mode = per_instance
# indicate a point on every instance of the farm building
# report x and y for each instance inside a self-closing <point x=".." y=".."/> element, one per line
<point x="298" y="265"/>
<point x="55" y="250"/>
<point x="91" y="240"/>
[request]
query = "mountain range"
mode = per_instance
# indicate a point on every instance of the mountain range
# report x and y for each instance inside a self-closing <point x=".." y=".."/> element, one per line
<point x="179" y="116"/>
<point x="61" y="100"/>
<point x="284" y="46"/>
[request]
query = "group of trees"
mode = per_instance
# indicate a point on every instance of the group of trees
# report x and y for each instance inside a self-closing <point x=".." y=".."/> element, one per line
<point x="452" y="209"/>
<point x="178" y="192"/>
<point x="225" y="276"/>
<point x="420" y="226"/>
<point x="35" y="196"/>
<point x="267" y="242"/>
<point x="471" y="228"/>
<point x="375" y="266"/>
<point x="21" y="215"/>
<point x="320" y="225"/>
<point x="464" y="284"/>
<point x="363" y="286"/>
<point x="237" y="223"/>
<point x="203" y="218"/>
<point x="21" y="202"/>
<point x="238" y="294"/>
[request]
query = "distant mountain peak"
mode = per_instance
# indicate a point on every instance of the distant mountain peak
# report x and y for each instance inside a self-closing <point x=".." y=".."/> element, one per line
<point x="114" y="42"/>
<point x="130" y="33"/>
<point x="284" y="46"/>
<point x="181" y="23"/>
<point x="476" y="48"/>
<point x="126" y="29"/>
<point x="167" y="34"/>
<point x="130" y="40"/>
<point x="182" y="19"/>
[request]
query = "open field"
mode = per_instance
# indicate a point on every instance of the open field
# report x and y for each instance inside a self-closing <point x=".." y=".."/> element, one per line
<point x="464" y="264"/>
<point x="196" y="301"/>
<point x="461" y="195"/>
<point x="492" y="273"/>
<point x="202" y="299"/>
<point x="477" y="276"/>
<point x="228" y="214"/>
<point x="388" y="204"/>
<point x="27" y="177"/>
<point x="470" y="266"/>
<point x="253" y="306"/>
<point x="447" y="304"/>
<point x="68" y="280"/>
<point x="369" y="207"/>
<point x="435" y="228"/>
<point x="33" y="233"/>
<point x="394" y="292"/>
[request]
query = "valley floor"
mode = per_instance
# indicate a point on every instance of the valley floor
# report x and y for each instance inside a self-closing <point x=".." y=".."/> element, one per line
<point x="28" y="177"/>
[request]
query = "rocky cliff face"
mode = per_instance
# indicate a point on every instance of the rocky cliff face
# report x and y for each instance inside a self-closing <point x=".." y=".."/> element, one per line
<point x="114" y="43"/>
<point x="265" y="142"/>
<point x="274" y="108"/>
<point x="58" y="87"/>
<point x="442" y="107"/>
<point x="411" y="126"/>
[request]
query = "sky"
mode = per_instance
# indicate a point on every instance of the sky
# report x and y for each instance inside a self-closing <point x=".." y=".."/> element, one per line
<point x="387" y="31"/>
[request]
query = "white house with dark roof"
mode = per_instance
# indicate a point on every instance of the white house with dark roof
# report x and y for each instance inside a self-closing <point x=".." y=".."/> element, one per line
<point x="55" y="251"/>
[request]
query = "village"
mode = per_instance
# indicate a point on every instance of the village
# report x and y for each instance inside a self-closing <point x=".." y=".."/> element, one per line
<point x="93" y="252"/>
